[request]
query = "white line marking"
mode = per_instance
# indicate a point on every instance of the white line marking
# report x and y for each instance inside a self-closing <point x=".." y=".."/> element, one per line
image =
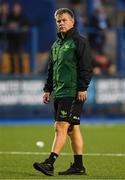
<point x="64" y="154"/>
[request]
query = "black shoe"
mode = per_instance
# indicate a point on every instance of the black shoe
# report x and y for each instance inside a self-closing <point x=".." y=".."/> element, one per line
<point x="45" y="167"/>
<point x="73" y="170"/>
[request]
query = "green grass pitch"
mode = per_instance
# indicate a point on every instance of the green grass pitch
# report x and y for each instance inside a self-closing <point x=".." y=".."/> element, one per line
<point x="104" y="150"/>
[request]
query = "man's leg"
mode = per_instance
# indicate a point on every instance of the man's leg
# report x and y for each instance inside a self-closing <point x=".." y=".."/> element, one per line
<point x="76" y="140"/>
<point x="46" y="167"/>
<point x="61" y="129"/>
<point x="77" y="145"/>
<point x="77" y="167"/>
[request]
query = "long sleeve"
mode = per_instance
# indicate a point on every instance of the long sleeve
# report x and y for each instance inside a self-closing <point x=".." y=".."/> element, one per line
<point x="84" y="64"/>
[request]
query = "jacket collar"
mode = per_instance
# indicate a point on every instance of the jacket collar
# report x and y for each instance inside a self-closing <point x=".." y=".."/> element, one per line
<point x="69" y="33"/>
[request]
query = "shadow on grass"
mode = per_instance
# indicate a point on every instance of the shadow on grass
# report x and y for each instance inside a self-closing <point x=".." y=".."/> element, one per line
<point x="26" y="175"/>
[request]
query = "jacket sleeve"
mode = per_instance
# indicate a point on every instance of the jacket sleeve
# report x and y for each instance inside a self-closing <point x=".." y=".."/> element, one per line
<point x="84" y="64"/>
<point x="48" y="87"/>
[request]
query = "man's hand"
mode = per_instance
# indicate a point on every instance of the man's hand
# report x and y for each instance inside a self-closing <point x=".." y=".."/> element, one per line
<point x="46" y="97"/>
<point x="82" y="95"/>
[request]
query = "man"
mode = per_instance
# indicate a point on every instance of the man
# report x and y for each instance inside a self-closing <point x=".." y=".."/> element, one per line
<point x="18" y="28"/>
<point x="69" y="75"/>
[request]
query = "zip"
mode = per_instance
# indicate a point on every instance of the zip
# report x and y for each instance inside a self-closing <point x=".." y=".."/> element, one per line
<point x="57" y="62"/>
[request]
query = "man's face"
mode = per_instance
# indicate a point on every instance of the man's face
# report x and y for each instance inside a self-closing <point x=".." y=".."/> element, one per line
<point x="64" y="22"/>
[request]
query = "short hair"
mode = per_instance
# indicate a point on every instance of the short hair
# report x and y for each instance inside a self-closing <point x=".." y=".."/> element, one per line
<point x="62" y="11"/>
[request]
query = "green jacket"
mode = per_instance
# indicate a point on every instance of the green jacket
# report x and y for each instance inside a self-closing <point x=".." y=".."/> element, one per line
<point x="70" y="67"/>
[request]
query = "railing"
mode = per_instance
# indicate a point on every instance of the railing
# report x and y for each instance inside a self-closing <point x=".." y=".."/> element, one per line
<point x="33" y="45"/>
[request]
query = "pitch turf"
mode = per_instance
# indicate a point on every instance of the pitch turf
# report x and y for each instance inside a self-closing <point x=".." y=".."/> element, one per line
<point x="104" y="152"/>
